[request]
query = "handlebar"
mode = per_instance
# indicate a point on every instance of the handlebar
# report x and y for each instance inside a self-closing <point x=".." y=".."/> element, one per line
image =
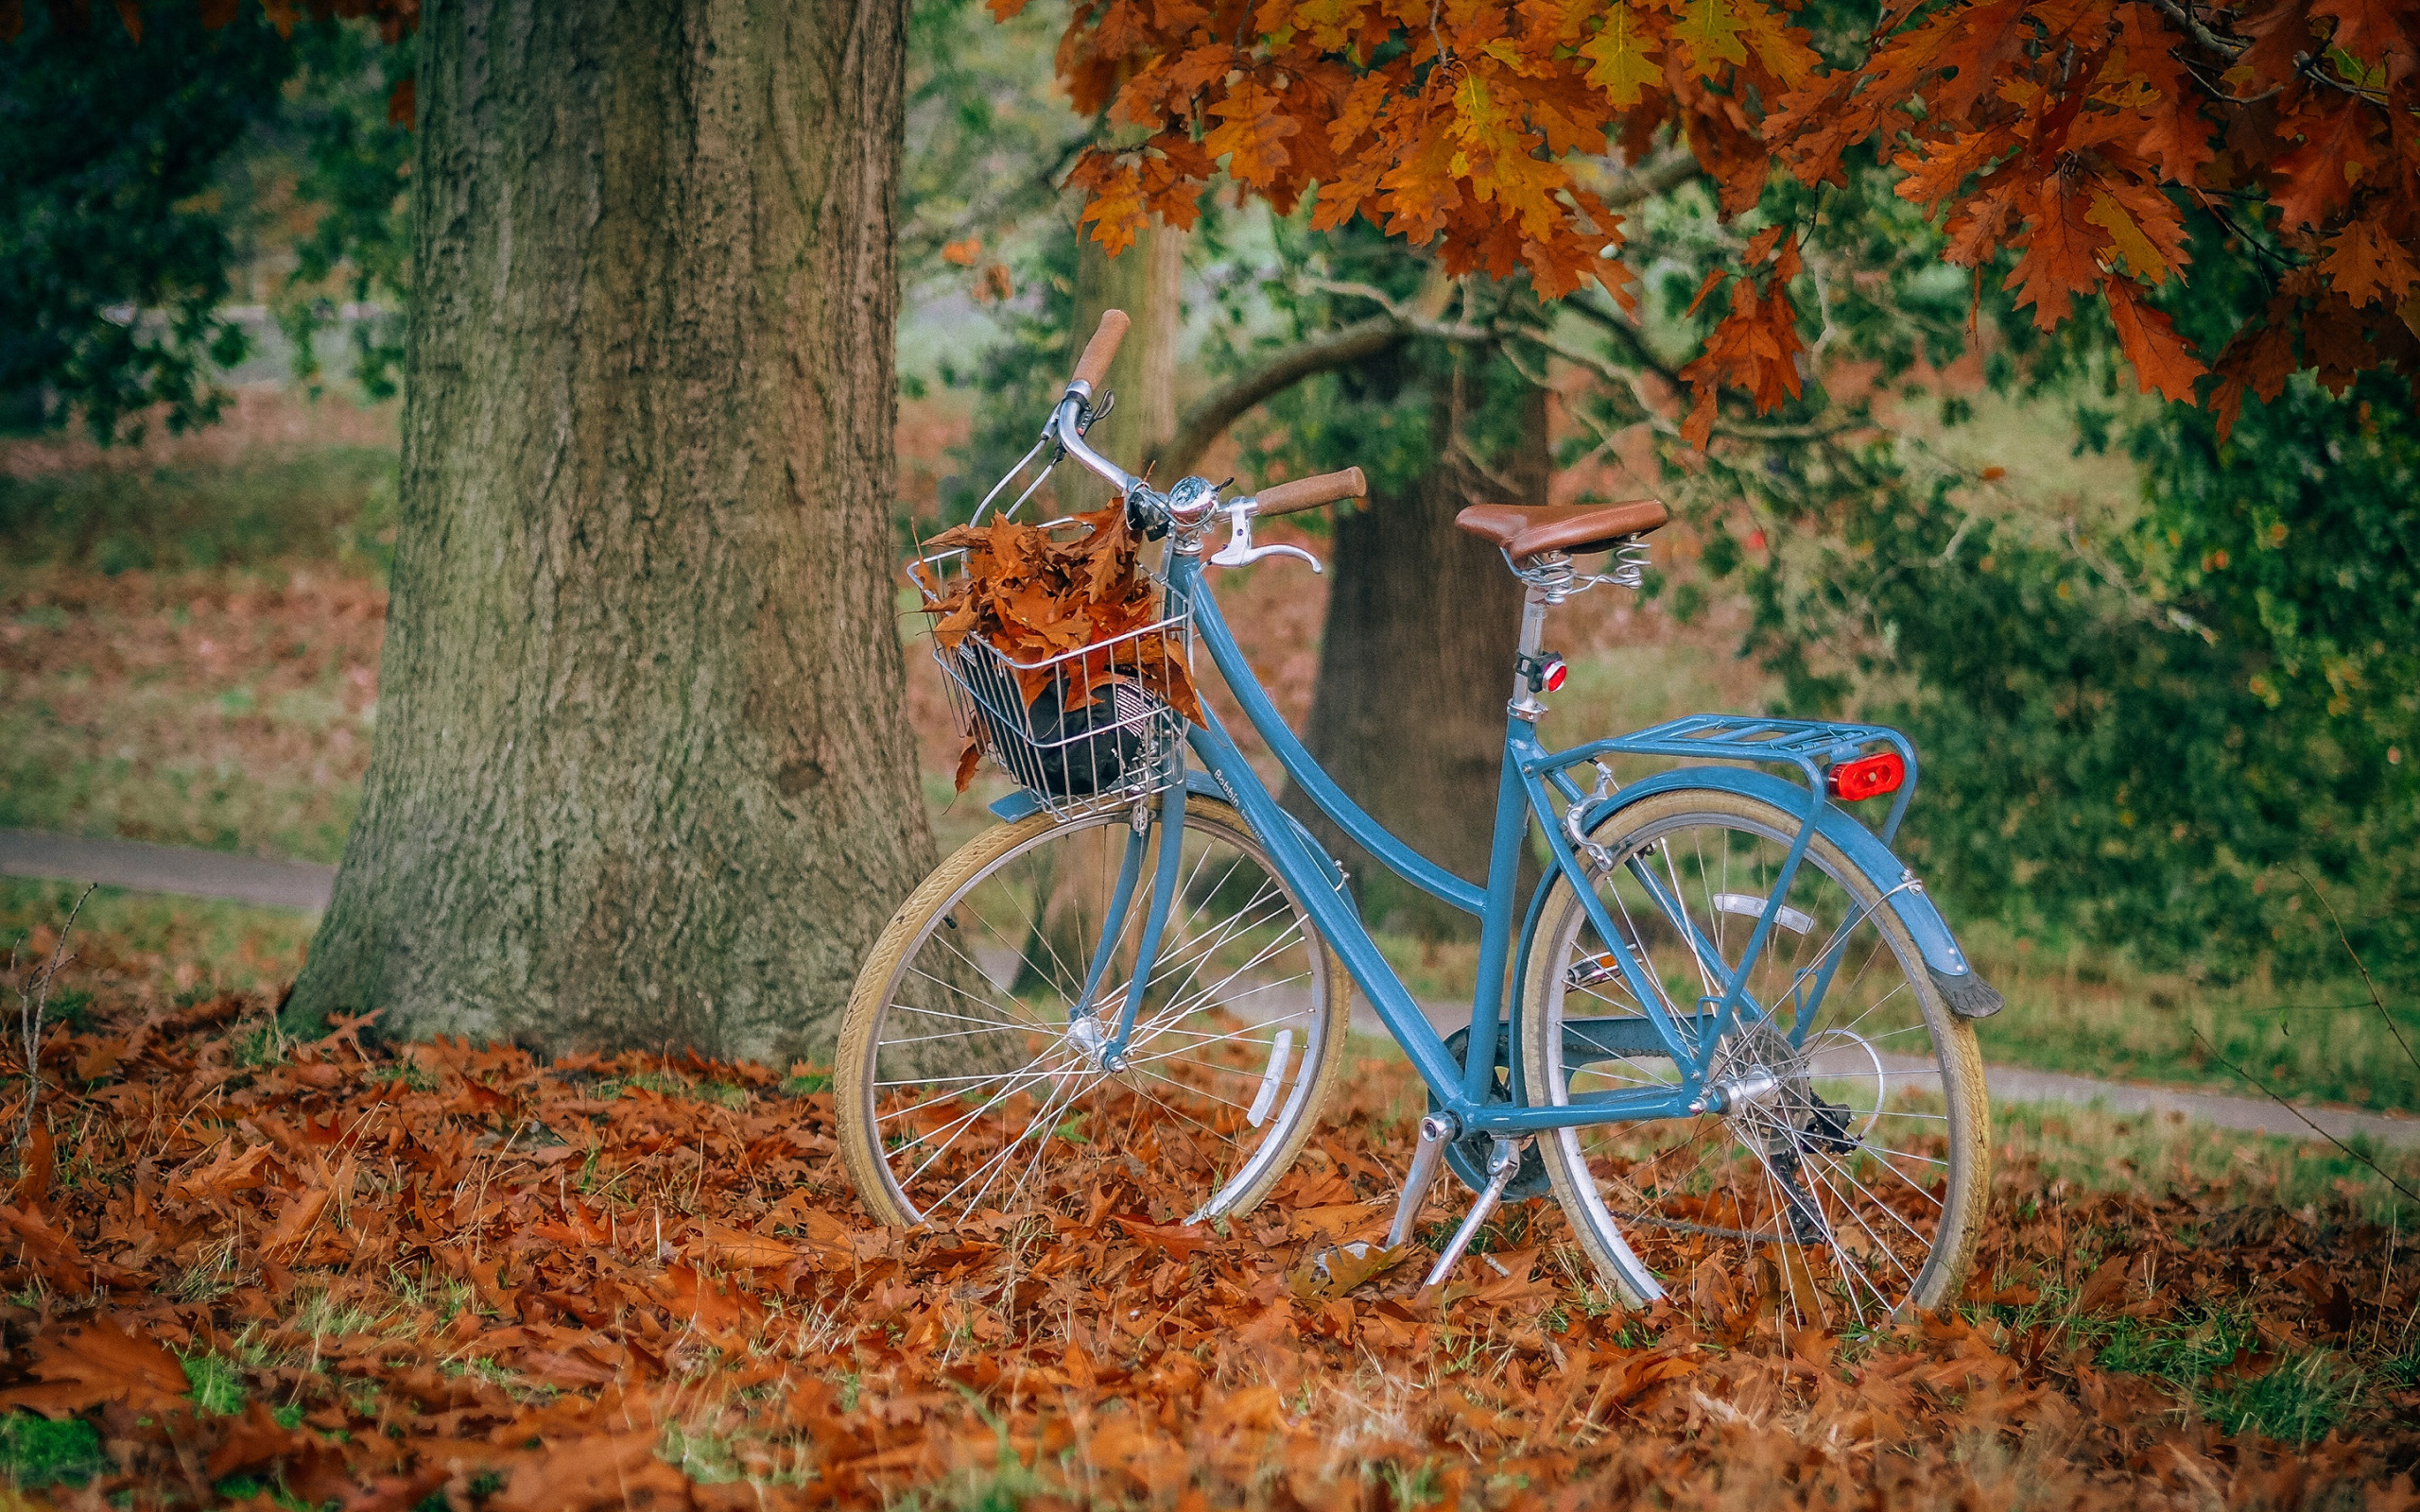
<point x="1101" y="350"/>
<point x="1310" y="493"/>
<point x="1150" y="511"/>
<point x="1068" y="420"/>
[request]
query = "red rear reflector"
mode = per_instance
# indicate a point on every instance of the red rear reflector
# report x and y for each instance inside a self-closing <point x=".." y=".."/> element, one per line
<point x="1867" y="777"/>
<point x="1555" y="675"/>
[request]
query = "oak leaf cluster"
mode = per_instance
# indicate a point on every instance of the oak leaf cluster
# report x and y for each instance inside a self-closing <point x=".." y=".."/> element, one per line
<point x="1038" y="593"/>
<point x="2079" y="136"/>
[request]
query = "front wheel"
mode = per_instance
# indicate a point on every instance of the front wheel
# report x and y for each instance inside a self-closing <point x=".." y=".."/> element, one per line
<point x="1848" y="1174"/>
<point x="965" y="1083"/>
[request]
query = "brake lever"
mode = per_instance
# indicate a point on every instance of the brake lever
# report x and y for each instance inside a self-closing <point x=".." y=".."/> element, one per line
<point x="1240" y="552"/>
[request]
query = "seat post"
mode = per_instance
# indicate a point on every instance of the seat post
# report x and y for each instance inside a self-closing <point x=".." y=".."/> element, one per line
<point x="1545" y="581"/>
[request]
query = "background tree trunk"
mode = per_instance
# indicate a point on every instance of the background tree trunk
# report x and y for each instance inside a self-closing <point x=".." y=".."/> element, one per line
<point x="641" y="775"/>
<point x="1146" y="281"/>
<point x="1416" y="665"/>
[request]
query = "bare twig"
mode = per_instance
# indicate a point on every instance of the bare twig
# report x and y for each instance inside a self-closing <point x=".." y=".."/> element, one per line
<point x="1205" y="421"/>
<point x="33" y="1002"/>
<point x="1654" y="177"/>
<point x="2289" y="1108"/>
<point x="2376" y="1001"/>
<point x="2225" y="48"/>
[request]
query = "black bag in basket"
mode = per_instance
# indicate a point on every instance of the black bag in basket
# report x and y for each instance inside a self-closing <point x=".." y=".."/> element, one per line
<point x="1065" y="752"/>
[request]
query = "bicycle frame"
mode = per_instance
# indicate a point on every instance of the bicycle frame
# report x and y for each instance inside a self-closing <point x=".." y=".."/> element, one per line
<point x="1528" y="772"/>
<point x="1461" y="1089"/>
<point x="1531" y="778"/>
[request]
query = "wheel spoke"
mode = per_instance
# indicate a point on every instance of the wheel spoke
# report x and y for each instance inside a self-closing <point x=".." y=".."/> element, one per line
<point x="1238" y="965"/>
<point x="1817" y="1114"/>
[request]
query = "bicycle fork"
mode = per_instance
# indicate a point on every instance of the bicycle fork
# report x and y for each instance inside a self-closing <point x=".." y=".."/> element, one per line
<point x="1104" y="1042"/>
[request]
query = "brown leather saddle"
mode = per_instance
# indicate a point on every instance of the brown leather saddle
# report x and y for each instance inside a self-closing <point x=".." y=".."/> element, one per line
<point x="1573" y="528"/>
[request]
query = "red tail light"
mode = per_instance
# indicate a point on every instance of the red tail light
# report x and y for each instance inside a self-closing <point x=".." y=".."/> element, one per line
<point x="1867" y="777"/>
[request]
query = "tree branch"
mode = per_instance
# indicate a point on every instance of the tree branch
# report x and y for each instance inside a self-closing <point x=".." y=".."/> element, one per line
<point x="1653" y="178"/>
<point x="1207" y="419"/>
<point x="2176" y="11"/>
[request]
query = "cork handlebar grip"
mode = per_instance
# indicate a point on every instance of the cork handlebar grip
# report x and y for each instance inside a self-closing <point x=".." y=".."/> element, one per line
<point x="1093" y="365"/>
<point x="1310" y="493"/>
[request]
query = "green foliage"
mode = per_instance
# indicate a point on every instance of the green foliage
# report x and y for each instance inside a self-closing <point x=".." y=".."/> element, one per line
<point x="143" y="176"/>
<point x="36" y="1451"/>
<point x="1017" y="375"/>
<point x="2169" y="733"/>
<point x="2143" y="726"/>
<point x="358" y="161"/>
<point x="1391" y="413"/>
<point x="118" y="259"/>
<point x="989" y="136"/>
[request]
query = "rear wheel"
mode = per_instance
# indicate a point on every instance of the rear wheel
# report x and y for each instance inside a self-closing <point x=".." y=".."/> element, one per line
<point x="962" y="1085"/>
<point x="1848" y="1175"/>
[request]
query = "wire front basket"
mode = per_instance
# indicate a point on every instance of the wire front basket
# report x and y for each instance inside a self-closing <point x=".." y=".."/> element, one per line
<point x="1080" y="730"/>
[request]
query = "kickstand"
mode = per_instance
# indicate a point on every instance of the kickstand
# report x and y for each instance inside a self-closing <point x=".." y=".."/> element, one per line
<point x="1434" y="1131"/>
<point x="1503" y="1163"/>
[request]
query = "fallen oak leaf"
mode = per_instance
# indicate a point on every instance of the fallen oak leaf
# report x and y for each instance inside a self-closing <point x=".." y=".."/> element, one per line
<point x="1180" y="1240"/>
<point x="227" y="1173"/>
<point x="738" y="1247"/>
<point x="604" y="1471"/>
<point x="1337" y="1272"/>
<point x="295" y="1221"/>
<point x="84" y="1363"/>
<point x="36" y="1165"/>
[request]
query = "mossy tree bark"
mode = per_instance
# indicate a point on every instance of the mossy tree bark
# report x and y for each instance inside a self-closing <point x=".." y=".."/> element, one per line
<point x="641" y="776"/>
<point x="1146" y="281"/>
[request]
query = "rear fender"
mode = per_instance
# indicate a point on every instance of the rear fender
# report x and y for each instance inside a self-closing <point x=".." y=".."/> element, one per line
<point x="1967" y="994"/>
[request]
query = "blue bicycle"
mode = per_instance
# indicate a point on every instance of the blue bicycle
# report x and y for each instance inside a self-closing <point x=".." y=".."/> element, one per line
<point x="1729" y="1033"/>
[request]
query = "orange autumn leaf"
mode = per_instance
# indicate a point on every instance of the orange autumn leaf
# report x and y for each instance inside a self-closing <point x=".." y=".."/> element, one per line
<point x="698" y="1279"/>
<point x="2160" y="357"/>
<point x="84" y="1363"/>
<point x="2078" y="136"/>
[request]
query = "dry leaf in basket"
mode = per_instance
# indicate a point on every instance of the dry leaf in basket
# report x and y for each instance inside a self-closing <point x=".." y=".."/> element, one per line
<point x="1033" y="596"/>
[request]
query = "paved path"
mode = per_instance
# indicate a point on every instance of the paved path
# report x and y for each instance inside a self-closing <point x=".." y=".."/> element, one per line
<point x="2016" y="1084"/>
<point x="166" y="869"/>
<point x="300" y="885"/>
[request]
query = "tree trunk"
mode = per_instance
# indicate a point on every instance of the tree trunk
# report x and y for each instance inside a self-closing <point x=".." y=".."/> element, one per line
<point x="641" y="776"/>
<point x="1416" y="666"/>
<point x="1146" y="281"/>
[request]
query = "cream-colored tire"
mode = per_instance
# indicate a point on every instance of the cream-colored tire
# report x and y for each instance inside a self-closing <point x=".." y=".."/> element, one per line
<point x="961" y="1087"/>
<point x="1846" y="1212"/>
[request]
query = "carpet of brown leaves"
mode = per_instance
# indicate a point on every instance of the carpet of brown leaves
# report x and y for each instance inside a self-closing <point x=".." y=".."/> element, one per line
<point x="449" y="1276"/>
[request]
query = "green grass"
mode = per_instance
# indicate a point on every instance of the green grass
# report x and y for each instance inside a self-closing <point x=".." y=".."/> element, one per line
<point x="2216" y="1361"/>
<point x="332" y="504"/>
<point x="200" y="944"/>
<point x="2084" y="1012"/>
<point x="229" y="709"/>
<point x="2155" y="1154"/>
<point x="667" y="1084"/>
<point x="47" y="783"/>
<point x="36" y="1451"/>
